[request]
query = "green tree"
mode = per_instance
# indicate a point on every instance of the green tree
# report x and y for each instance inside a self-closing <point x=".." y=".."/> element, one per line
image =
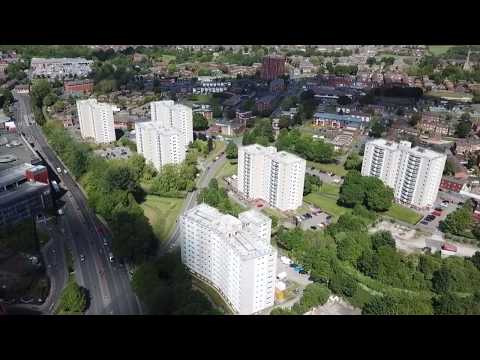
<point x="442" y="280"/>
<point x="199" y="122"/>
<point x="382" y="238"/>
<point x="353" y="162"/>
<point x="449" y="168"/>
<point x="72" y="300"/>
<point x="459" y="221"/>
<point x="231" y="150"/>
<point x="463" y="128"/>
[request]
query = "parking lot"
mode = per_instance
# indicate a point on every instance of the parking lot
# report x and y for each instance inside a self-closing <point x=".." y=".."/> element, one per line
<point x="119" y="152"/>
<point x="433" y="224"/>
<point x="316" y="221"/>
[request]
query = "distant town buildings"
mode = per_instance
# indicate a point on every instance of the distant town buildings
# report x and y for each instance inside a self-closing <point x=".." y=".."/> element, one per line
<point x="276" y="177"/>
<point x="272" y="67"/>
<point x="231" y="254"/>
<point x="159" y="145"/>
<point x="80" y="87"/>
<point x="168" y="114"/>
<point x="211" y="87"/>
<point x="60" y="68"/>
<point x="414" y="174"/>
<point x="340" y="121"/>
<point x="96" y="120"/>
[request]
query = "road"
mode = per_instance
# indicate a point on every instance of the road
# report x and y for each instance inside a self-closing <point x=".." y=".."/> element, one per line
<point x="108" y="284"/>
<point x="191" y="201"/>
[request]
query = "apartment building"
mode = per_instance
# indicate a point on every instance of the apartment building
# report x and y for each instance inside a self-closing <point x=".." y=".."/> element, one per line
<point x="233" y="255"/>
<point x="414" y="174"/>
<point x="60" y="68"/>
<point x="178" y="116"/>
<point x="276" y="177"/>
<point x="159" y="145"/>
<point x="96" y="120"/>
<point x="272" y="67"/>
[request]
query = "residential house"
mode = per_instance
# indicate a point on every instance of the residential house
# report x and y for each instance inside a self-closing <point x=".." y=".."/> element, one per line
<point x="465" y="146"/>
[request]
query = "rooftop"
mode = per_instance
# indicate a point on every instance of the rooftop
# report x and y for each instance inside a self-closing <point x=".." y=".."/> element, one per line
<point x="18" y="153"/>
<point x="338" y="117"/>
<point x="246" y="244"/>
<point x="24" y="189"/>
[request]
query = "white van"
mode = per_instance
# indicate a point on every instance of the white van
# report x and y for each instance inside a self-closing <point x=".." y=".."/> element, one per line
<point x="111" y="258"/>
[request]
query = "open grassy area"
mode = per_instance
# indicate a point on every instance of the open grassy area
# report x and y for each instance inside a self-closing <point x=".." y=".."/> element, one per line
<point x="337" y="169"/>
<point x="219" y="146"/>
<point x="403" y="214"/>
<point x="439" y="49"/>
<point x="445" y="94"/>
<point x="162" y="213"/>
<point x="326" y="199"/>
<point x="273" y="212"/>
<point x="228" y="169"/>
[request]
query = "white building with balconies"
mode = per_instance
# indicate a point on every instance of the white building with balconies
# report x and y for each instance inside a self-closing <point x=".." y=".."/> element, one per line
<point x="414" y="174"/>
<point x="160" y="146"/>
<point x="96" y="120"/>
<point x="276" y="177"/>
<point x="232" y="255"/>
<point x="171" y="115"/>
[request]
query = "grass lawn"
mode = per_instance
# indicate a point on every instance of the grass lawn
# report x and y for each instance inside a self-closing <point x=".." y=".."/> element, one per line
<point x="449" y="95"/>
<point x="439" y="49"/>
<point x="228" y="169"/>
<point x="337" y="169"/>
<point x="162" y="213"/>
<point x="272" y="212"/>
<point x="219" y="146"/>
<point x="403" y="214"/>
<point x="326" y="199"/>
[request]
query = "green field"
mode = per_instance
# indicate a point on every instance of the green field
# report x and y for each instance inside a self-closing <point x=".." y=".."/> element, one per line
<point x="228" y="169"/>
<point x="219" y="146"/>
<point x="439" y="49"/>
<point x="335" y="168"/>
<point x="326" y="199"/>
<point x="403" y="214"/>
<point x="162" y="213"/>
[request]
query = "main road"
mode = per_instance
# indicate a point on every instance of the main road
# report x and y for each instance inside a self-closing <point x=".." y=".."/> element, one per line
<point x="107" y="283"/>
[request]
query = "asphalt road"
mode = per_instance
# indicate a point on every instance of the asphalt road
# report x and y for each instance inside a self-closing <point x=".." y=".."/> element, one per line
<point x="108" y="284"/>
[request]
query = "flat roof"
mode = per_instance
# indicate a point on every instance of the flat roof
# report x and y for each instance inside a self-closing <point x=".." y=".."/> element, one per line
<point x="20" y="154"/>
<point x="286" y="157"/>
<point x="27" y="188"/>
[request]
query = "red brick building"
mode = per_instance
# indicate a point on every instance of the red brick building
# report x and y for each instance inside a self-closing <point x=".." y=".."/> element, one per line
<point x="78" y="87"/>
<point x="265" y="103"/>
<point x="272" y="67"/>
<point x="452" y="184"/>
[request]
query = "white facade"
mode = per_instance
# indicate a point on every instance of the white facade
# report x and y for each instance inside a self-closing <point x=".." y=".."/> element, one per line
<point x="96" y="120"/>
<point x="177" y="116"/>
<point x="276" y="177"/>
<point x="414" y="174"/>
<point x="159" y="145"/>
<point x="230" y="255"/>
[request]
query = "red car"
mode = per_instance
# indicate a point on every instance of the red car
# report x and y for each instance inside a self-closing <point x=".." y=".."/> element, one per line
<point x="436" y="213"/>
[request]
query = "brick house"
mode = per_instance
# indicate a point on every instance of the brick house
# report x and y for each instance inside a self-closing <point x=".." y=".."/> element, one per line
<point x="84" y="87"/>
<point x="449" y="183"/>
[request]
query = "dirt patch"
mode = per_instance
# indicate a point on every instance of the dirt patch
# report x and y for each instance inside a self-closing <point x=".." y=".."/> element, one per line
<point x="335" y="306"/>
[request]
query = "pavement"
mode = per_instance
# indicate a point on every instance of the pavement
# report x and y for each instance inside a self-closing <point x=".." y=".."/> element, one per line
<point x="108" y="284"/>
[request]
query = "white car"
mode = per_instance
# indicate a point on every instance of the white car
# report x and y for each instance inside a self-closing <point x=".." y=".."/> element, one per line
<point x="59" y="170"/>
<point x="65" y="171"/>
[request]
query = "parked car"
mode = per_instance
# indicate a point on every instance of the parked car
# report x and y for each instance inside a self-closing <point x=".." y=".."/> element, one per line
<point x="436" y="213"/>
<point x="424" y="222"/>
<point x="439" y="209"/>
